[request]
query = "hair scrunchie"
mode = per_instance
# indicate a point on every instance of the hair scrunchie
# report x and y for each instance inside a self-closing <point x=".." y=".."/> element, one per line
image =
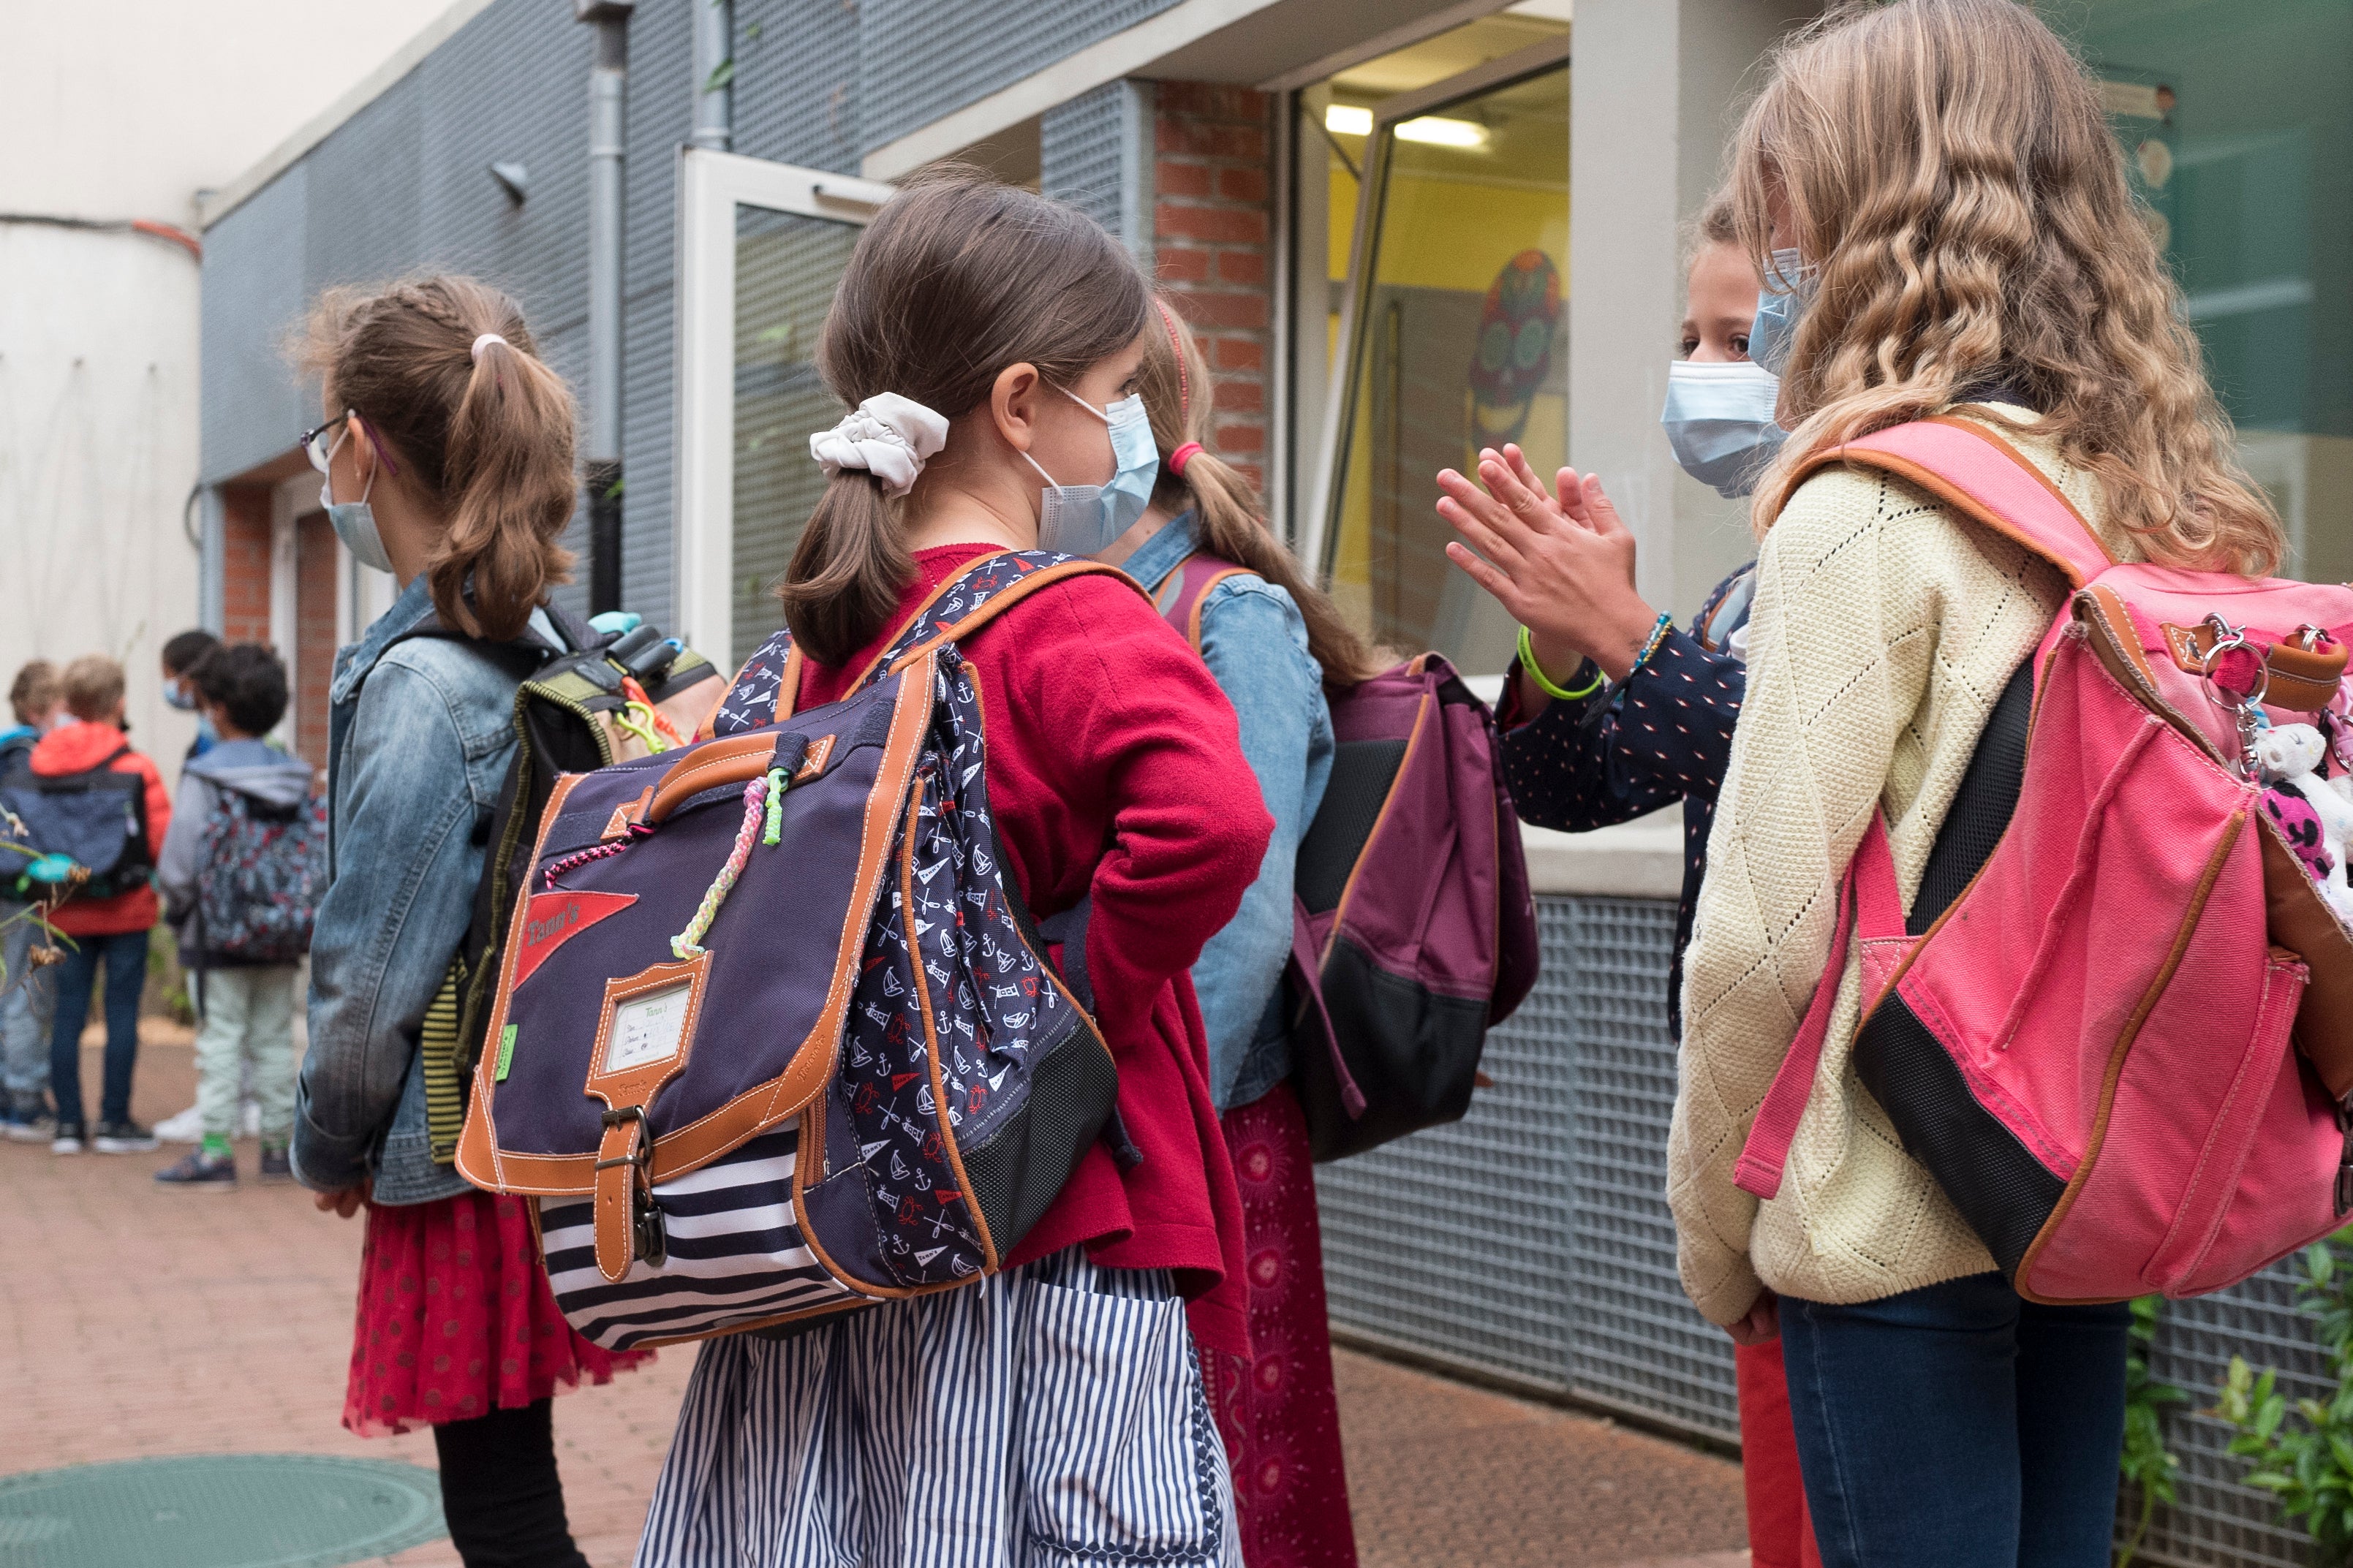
<point x="1182" y="455"/>
<point x="485" y="341"/>
<point x="888" y="436"/>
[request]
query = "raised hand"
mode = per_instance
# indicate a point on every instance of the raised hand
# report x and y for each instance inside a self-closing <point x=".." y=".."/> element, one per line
<point x="1559" y="562"/>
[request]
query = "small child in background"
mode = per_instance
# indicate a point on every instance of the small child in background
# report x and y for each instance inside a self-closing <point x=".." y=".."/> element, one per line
<point x="28" y="997"/>
<point x="110" y="932"/>
<point x="239" y="875"/>
<point x="181" y="655"/>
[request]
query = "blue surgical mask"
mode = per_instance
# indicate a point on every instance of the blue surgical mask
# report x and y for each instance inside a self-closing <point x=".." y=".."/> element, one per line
<point x="1084" y="520"/>
<point x="177" y="695"/>
<point x="1719" y="420"/>
<point x="1788" y="290"/>
<point x="354" y="522"/>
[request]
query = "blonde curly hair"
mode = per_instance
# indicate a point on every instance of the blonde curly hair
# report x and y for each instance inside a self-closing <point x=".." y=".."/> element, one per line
<point x="1947" y="166"/>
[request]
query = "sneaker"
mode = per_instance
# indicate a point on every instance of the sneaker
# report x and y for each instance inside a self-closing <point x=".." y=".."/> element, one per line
<point x="187" y="1127"/>
<point x="199" y="1172"/>
<point x="68" y="1139"/>
<point x="277" y="1167"/>
<point x="122" y="1138"/>
<point x="26" y="1120"/>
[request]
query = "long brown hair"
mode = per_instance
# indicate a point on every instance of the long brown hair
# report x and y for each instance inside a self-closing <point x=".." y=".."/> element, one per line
<point x="486" y="437"/>
<point x="1946" y="165"/>
<point x="957" y="278"/>
<point x="1227" y="519"/>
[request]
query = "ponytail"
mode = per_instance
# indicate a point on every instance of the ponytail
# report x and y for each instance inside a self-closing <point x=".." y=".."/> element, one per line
<point x="444" y="371"/>
<point x="508" y="468"/>
<point x="847" y="570"/>
<point x="957" y="276"/>
<point x="1227" y="521"/>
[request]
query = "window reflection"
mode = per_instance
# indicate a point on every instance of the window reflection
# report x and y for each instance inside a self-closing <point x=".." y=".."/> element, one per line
<point x="2236" y="118"/>
<point x="1459" y="341"/>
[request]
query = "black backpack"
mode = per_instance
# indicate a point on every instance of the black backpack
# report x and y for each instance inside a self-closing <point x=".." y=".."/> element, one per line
<point x="574" y="711"/>
<point x="95" y="821"/>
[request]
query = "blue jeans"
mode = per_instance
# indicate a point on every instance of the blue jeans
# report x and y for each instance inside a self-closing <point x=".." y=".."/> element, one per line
<point x="26" y="1006"/>
<point x="1959" y="1427"/>
<point x="125" y="957"/>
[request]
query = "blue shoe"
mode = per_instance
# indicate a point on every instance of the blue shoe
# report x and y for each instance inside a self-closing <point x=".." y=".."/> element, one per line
<point x="200" y="1172"/>
<point x="26" y="1120"/>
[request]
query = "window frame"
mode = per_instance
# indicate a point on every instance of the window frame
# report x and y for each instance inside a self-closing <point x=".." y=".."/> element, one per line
<point x="1322" y="535"/>
<point x="711" y="185"/>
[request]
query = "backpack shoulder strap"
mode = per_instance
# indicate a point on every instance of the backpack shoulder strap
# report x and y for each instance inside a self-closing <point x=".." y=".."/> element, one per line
<point x="1971" y="467"/>
<point x="1178" y="595"/>
<point x="984" y="590"/>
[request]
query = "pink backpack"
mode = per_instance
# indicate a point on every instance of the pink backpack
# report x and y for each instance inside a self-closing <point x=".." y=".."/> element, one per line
<point x="2117" y="1024"/>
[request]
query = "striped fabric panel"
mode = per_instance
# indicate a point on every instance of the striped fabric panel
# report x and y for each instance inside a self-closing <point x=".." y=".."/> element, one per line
<point x="444" y="1104"/>
<point x="736" y="1255"/>
<point x="1052" y="1414"/>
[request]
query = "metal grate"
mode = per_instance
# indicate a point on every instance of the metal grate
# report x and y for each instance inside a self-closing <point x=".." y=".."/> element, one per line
<point x="230" y="1511"/>
<point x="2216" y="1520"/>
<point x="1638" y="1341"/>
<point x="1096" y="153"/>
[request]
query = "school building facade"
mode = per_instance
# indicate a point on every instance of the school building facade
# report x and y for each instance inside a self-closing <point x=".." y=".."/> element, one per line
<point x="1364" y="208"/>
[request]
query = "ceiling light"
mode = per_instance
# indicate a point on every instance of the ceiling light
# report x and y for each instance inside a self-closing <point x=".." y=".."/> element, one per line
<point x="1348" y="119"/>
<point x="1440" y="132"/>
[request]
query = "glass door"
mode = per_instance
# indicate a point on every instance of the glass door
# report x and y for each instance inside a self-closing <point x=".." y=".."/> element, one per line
<point x="760" y="247"/>
<point x="1453" y="336"/>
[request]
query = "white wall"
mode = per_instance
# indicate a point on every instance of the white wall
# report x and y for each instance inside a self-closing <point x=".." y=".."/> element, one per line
<point x="1657" y="87"/>
<point x="116" y="111"/>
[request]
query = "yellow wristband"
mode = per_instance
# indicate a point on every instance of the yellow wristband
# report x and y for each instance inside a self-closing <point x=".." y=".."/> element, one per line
<point x="1544" y="682"/>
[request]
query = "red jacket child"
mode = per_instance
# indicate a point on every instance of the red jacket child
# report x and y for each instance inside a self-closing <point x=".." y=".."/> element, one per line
<point x="76" y="748"/>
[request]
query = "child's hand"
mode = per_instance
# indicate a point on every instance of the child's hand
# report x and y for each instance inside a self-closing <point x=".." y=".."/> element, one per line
<point x="344" y="1202"/>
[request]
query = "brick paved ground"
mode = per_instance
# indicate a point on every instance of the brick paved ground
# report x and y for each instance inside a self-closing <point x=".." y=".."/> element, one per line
<point x="139" y="1321"/>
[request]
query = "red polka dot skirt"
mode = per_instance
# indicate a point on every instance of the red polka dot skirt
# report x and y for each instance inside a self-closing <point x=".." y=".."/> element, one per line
<point x="455" y="1318"/>
<point x="1276" y="1410"/>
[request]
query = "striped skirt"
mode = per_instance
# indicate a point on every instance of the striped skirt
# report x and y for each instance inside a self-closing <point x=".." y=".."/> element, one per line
<point x="1051" y="1416"/>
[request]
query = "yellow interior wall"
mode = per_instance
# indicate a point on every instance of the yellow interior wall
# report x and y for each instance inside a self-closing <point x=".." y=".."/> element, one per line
<point x="1440" y="234"/>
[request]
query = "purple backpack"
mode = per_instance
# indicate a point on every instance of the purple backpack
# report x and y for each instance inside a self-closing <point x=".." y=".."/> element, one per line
<point x="1413" y="928"/>
<point x="775" y="1036"/>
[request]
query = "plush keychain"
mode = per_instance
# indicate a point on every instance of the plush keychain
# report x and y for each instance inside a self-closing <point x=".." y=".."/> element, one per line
<point x="2314" y="814"/>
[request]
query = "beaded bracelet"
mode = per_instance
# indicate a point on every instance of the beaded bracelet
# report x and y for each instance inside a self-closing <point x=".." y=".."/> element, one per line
<point x="1659" y="631"/>
<point x="1544" y="682"/>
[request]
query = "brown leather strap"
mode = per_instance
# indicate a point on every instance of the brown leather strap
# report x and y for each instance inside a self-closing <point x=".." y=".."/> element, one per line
<point x="620" y="1168"/>
<point x="2303" y="680"/>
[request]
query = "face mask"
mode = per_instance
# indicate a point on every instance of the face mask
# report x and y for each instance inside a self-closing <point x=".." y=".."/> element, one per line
<point x="1719" y="420"/>
<point x="1786" y="293"/>
<point x="1081" y="519"/>
<point x="177" y="695"/>
<point x="354" y="522"/>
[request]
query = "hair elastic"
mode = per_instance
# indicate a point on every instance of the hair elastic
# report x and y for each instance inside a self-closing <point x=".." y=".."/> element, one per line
<point x="1177" y="343"/>
<point x="485" y="341"/>
<point x="1182" y="455"/>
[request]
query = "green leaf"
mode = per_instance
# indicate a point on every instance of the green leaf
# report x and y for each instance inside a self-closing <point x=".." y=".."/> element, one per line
<point x="720" y="75"/>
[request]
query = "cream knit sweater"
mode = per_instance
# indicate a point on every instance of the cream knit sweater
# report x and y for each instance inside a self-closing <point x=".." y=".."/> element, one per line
<point x="1884" y="628"/>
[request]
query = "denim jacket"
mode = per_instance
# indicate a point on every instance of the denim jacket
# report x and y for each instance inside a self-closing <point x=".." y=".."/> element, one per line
<point x="1255" y="642"/>
<point x="420" y="734"/>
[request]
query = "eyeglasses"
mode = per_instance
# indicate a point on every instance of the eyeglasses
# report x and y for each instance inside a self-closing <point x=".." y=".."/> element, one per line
<point x="317" y="447"/>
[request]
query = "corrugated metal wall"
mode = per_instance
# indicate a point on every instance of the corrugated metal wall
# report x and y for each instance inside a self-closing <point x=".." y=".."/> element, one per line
<point x="922" y="60"/>
<point x="1532" y="1241"/>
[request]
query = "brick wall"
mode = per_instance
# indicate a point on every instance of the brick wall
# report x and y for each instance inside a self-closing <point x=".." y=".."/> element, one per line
<point x="313" y="661"/>
<point x="245" y="512"/>
<point x="1212" y="227"/>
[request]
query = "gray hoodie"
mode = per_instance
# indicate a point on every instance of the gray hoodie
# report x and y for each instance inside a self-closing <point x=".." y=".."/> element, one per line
<point x="252" y="768"/>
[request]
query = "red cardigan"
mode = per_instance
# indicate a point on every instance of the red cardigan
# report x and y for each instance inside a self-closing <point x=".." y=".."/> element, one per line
<point x="1115" y="767"/>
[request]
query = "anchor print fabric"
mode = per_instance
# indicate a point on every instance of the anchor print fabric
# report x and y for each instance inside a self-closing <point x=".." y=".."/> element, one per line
<point x="945" y="936"/>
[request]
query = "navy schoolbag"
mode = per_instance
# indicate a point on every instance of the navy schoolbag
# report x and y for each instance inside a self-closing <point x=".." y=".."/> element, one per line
<point x="776" y="1036"/>
<point x="264" y="869"/>
<point x="95" y="820"/>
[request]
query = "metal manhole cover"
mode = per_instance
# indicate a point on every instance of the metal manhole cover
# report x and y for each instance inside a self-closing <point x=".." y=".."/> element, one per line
<point x="228" y="1510"/>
